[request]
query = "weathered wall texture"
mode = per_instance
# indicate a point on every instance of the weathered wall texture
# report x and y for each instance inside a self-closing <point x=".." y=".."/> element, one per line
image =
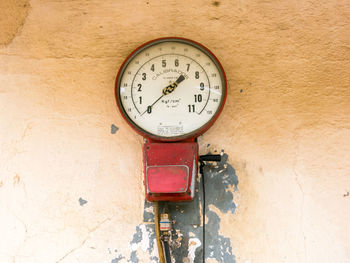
<point x="71" y="183"/>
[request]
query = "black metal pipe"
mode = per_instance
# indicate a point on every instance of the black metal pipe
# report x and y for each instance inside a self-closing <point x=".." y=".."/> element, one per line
<point x="210" y="158"/>
<point x="166" y="251"/>
<point x="202" y="160"/>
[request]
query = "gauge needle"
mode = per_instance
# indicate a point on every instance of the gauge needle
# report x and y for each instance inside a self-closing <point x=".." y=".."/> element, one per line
<point x="172" y="87"/>
<point x="167" y="90"/>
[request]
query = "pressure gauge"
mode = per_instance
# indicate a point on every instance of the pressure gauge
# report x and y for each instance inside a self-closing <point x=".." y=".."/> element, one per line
<point x="171" y="89"/>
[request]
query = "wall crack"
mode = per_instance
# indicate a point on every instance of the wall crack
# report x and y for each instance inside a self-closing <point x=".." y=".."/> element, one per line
<point x="297" y="180"/>
<point x="94" y="229"/>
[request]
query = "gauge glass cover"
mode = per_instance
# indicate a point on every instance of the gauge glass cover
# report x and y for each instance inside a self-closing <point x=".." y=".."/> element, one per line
<point x="171" y="89"/>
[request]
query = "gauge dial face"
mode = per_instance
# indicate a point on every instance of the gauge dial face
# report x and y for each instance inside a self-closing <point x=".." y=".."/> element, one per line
<point x="171" y="89"/>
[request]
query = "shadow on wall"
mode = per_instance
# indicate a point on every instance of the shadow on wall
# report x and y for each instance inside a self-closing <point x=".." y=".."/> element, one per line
<point x="13" y="15"/>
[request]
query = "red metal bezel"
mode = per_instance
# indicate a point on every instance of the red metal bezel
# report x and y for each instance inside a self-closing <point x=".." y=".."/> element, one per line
<point x="189" y="136"/>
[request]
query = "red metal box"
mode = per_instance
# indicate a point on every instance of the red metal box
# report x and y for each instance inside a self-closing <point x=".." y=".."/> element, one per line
<point x="170" y="170"/>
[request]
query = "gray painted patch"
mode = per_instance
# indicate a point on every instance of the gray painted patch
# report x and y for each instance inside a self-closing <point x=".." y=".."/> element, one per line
<point x="218" y="180"/>
<point x="82" y="201"/>
<point x="114" y="129"/>
<point x="145" y="238"/>
<point x="135" y="240"/>
<point x="137" y="237"/>
<point x="148" y="214"/>
<point x="217" y="246"/>
<point x="187" y="224"/>
<point x="117" y="259"/>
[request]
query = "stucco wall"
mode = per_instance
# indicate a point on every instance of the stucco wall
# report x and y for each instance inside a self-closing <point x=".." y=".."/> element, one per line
<point x="71" y="183"/>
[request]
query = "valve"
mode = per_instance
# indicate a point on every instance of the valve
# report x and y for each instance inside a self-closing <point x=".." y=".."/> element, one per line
<point x="165" y="230"/>
<point x="165" y="224"/>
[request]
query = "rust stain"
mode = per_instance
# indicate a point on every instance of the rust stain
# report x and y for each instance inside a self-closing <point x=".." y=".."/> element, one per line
<point x="16" y="179"/>
<point x="216" y="3"/>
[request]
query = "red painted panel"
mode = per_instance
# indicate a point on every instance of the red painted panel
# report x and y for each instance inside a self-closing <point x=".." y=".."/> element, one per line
<point x="167" y="179"/>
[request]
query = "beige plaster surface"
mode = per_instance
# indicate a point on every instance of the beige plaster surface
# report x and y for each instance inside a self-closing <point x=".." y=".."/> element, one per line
<point x="285" y="126"/>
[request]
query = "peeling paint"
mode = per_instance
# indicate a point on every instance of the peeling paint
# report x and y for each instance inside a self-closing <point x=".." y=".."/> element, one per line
<point x="114" y="129"/>
<point x="193" y="244"/>
<point x="117" y="259"/>
<point x="291" y="119"/>
<point x="144" y="238"/>
<point x="186" y="240"/>
<point x="217" y="246"/>
<point x="148" y="213"/>
<point x="187" y="225"/>
<point x="219" y="180"/>
<point x="82" y="201"/>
